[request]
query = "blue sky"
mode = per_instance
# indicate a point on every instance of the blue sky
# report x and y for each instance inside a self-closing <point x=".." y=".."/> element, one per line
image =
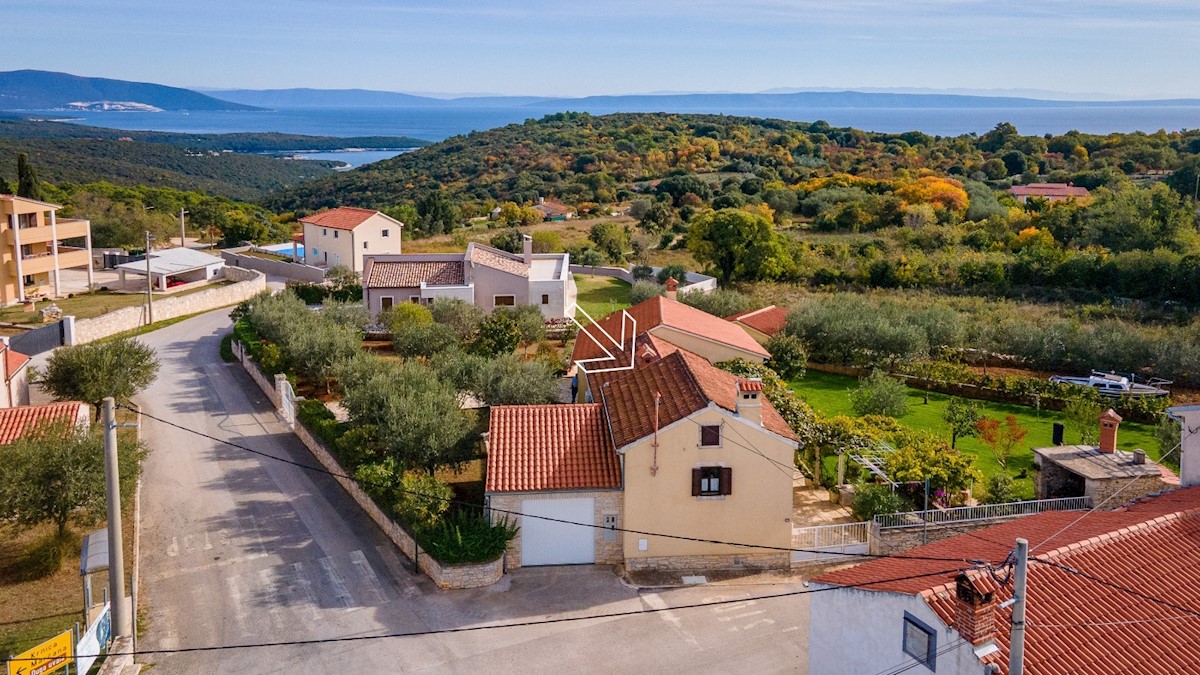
<point x="575" y="48"/>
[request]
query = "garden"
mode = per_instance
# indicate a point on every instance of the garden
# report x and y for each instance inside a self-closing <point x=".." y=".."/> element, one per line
<point x="409" y="423"/>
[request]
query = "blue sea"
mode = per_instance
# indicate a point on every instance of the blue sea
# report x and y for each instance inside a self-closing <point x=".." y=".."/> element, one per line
<point x="438" y="123"/>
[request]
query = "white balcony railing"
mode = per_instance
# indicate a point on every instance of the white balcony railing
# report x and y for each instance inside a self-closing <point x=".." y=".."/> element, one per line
<point x="964" y="514"/>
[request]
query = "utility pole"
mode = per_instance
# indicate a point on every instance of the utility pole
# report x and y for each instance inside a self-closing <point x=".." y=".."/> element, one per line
<point x="116" y="551"/>
<point x="1016" y="638"/>
<point x="182" y="228"/>
<point x="149" y="283"/>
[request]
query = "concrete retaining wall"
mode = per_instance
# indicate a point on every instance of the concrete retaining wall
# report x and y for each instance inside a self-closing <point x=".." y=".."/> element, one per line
<point x="747" y="561"/>
<point x="298" y="271"/>
<point x="468" y="575"/>
<point x="248" y="283"/>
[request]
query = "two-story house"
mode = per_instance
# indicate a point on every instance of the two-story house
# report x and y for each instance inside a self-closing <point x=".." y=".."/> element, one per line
<point x="675" y="446"/>
<point x="482" y="275"/>
<point x="343" y="236"/>
<point x="36" y="246"/>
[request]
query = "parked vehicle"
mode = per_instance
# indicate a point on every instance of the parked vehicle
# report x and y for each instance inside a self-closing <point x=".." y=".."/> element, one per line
<point x="1116" y="384"/>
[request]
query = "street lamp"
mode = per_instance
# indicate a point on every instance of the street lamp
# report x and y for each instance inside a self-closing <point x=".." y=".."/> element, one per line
<point x="182" y="227"/>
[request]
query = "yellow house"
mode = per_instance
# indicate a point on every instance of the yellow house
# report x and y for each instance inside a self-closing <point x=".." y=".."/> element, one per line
<point x="702" y="457"/>
<point x="36" y="245"/>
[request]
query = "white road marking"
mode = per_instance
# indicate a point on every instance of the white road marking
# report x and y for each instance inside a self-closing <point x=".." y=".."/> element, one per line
<point x="367" y="575"/>
<point x="207" y="543"/>
<point x="271" y="596"/>
<point x="656" y="602"/>
<point x="731" y="608"/>
<point x="173" y="549"/>
<point x="760" y="622"/>
<point x="399" y="575"/>
<point x="336" y="583"/>
<point x="302" y="591"/>
<point x="740" y="616"/>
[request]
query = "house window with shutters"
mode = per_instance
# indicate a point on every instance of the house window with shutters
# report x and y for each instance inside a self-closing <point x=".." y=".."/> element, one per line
<point x="712" y="481"/>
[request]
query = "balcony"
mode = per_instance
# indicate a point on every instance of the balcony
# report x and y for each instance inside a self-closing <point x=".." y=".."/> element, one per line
<point x="44" y="262"/>
<point x="66" y="228"/>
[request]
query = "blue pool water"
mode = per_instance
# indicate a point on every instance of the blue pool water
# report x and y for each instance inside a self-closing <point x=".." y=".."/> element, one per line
<point x="285" y="249"/>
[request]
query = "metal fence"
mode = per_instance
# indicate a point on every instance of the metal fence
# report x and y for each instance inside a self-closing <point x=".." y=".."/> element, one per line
<point x="39" y="340"/>
<point x="964" y="514"/>
<point x="822" y="541"/>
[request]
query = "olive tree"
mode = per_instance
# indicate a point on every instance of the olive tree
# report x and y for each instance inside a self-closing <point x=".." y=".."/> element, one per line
<point x="120" y="369"/>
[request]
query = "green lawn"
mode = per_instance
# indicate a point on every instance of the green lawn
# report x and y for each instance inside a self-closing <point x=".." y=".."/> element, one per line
<point x="830" y="394"/>
<point x="599" y="295"/>
<point x="89" y="305"/>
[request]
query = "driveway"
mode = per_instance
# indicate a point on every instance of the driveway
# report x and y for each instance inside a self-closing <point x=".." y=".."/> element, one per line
<point x="238" y="549"/>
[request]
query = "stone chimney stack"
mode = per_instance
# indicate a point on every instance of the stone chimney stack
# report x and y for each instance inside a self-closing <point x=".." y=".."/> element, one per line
<point x="749" y="399"/>
<point x="1189" y="449"/>
<point x="1109" y="421"/>
<point x="974" y="612"/>
<point x="527" y="242"/>
<point x="672" y="288"/>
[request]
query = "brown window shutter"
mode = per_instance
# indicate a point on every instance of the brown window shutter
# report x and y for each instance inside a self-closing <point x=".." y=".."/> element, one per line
<point x="726" y="480"/>
<point x="695" y="482"/>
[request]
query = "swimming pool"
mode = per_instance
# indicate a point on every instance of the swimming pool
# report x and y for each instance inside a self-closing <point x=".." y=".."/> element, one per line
<point x="284" y="249"/>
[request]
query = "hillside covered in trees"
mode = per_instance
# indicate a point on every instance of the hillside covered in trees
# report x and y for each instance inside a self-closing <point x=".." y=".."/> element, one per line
<point x="827" y="207"/>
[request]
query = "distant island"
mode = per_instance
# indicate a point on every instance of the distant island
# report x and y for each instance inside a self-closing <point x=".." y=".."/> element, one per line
<point x="44" y="90"/>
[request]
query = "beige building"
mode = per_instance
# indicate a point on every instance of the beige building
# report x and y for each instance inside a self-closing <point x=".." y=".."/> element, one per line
<point x="36" y="245"/>
<point x="342" y="236"/>
<point x="677" y="447"/>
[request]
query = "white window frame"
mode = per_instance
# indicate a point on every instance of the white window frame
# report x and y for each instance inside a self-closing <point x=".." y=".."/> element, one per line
<point x="384" y="233"/>
<point x="391" y="302"/>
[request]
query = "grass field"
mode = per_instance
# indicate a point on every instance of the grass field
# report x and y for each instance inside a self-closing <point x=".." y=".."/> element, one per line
<point x="600" y="295"/>
<point x="89" y="305"/>
<point x="830" y="394"/>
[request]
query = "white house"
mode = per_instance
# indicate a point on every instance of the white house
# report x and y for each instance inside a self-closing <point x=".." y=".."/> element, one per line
<point x="485" y="276"/>
<point x="343" y="236"/>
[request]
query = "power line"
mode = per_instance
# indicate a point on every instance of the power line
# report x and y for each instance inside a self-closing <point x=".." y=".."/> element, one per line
<point x="1118" y="587"/>
<point x="458" y="502"/>
<point x="517" y="624"/>
<point x="1100" y="624"/>
<point x="903" y="668"/>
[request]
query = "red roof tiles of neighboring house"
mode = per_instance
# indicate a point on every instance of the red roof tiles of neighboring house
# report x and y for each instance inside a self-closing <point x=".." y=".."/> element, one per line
<point x="550" y="447"/>
<point x="341" y="218"/>
<point x="14" y="422"/>
<point x="14" y="361"/>
<point x="497" y="259"/>
<point x="386" y="274"/>
<point x="661" y="311"/>
<point x="687" y="383"/>
<point x="1049" y="190"/>
<point x="769" y="320"/>
<point x="1075" y="625"/>
<point x="553" y="208"/>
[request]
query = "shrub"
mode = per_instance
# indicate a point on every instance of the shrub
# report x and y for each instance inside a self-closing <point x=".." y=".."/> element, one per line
<point x="999" y="489"/>
<point x="506" y="380"/>
<point x="642" y="272"/>
<point x="421" y="500"/>
<point x="271" y="358"/>
<point x="352" y="314"/>
<point x="466" y="536"/>
<point x="873" y="499"/>
<point x="423" y="339"/>
<point x="227" y="349"/>
<point x="405" y="313"/>
<point x="878" y="394"/>
<point x="498" y="334"/>
<point x="314" y="415"/>
<point x="676" y="272"/>
<point x="788" y="357"/>
<point x="463" y="317"/>
<point x="721" y="302"/>
<point x="644" y="290"/>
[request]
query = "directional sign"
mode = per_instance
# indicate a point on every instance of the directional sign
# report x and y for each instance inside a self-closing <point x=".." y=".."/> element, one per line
<point x="45" y="658"/>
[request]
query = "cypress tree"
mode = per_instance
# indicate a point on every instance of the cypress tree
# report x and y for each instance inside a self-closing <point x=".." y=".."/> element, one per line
<point x="28" y="185"/>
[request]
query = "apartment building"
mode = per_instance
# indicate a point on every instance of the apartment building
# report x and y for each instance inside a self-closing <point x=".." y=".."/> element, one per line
<point x="36" y="246"/>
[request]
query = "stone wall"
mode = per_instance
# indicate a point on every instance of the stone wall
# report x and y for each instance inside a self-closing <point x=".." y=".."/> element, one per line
<point x="886" y="541"/>
<point x="248" y="283"/>
<point x="700" y="563"/>
<point x="609" y="550"/>
<point x="468" y="575"/>
<point x="298" y="271"/>
<point x="260" y="378"/>
<point x="1130" y="489"/>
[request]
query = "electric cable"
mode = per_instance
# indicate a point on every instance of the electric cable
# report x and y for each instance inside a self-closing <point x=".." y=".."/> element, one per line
<point x="458" y="502"/>
<point x="516" y="624"/>
<point x="1118" y="587"/>
<point x="905" y="667"/>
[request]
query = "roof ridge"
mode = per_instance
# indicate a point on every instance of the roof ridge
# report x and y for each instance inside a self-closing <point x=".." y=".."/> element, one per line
<point x="1117" y="534"/>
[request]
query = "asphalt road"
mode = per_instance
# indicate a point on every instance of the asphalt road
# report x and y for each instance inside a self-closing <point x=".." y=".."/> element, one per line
<point x="238" y="549"/>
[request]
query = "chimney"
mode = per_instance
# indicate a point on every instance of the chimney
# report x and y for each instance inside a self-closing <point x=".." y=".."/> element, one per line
<point x="974" y="612"/>
<point x="672" y="288"/>
<point x="1189" y="450"/>
<point x="749" y="399"/>
<point x="541" y="200"/>
<point x="527" y="242"/>
<point x="1139" y="456"/>
<point x="1109" y="421"/>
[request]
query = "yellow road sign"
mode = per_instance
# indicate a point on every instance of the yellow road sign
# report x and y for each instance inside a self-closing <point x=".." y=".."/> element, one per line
<point x="45" y="658"/>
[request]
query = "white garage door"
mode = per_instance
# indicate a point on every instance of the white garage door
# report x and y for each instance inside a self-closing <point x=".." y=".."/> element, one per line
<point x="545" y="542"/>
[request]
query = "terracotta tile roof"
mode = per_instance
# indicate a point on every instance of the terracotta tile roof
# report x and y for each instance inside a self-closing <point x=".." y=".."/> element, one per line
<point x="661" y="311"/>
<point x="16" y="421"/>
<point x="553" y="208"/>
<point x="648" y="350"/>
<point x="341" y="218"/>
<point x="687" y="384"/>
<point x="386" y="274"/>
<point x="550" y="447"/>
<point x="1049" y="190"/>
<point x="497" y="259"/>
<point x="769" y="320"/>
<point x="1150" y="546"/>
<point x="14" y="361"/>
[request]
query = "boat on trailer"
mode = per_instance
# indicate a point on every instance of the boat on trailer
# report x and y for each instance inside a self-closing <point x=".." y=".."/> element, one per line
<point x="1117" y="384"/>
